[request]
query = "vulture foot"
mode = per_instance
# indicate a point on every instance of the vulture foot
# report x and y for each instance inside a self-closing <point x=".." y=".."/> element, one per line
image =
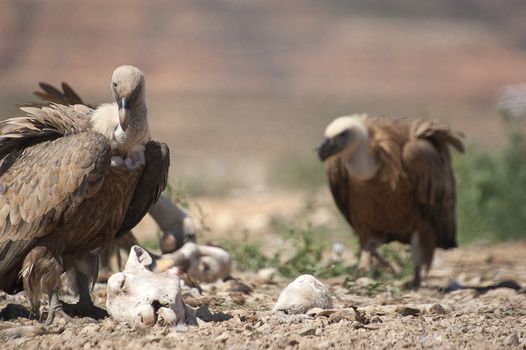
<point x="56" y="309"/>
<point x="414" y="284"/>
<point x="52" y="314"/>
<point x="394" y="268"/>
<point x="370" y="259"/>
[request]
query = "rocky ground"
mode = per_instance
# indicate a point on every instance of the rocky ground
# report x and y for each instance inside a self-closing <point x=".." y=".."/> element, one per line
<point x="370" y="317"/>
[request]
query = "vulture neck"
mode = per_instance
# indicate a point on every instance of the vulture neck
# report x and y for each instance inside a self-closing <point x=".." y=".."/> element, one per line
<point x="361" y="165"/>
<point x="137" y="131"/>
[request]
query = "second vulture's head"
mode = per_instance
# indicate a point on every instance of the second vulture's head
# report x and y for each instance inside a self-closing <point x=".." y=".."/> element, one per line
<point x="347" y="138"/>
<point x="127" y="85"/>
<point x="343" y="136"/>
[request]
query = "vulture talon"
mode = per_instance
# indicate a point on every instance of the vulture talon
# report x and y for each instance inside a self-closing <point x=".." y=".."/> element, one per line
<point x="56" y="308"/>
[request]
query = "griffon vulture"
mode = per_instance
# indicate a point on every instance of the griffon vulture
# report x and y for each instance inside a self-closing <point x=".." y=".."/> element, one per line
<point x="176" y="225"/>
<point x="72" y="180"/>
<point x="393" y="181"/>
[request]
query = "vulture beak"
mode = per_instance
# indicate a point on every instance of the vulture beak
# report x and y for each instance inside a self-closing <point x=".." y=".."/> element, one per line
<point x="329" y="147"/>
<point x="124" y="113"/>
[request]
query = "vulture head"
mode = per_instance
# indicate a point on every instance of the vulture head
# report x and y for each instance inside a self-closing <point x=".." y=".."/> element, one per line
<point x="127" y="85"/>
<point x="347" y="139"/>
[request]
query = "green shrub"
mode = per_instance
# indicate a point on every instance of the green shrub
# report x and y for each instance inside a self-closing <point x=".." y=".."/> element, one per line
<point x="491" y="190"/>
<point x="305" y="250"/>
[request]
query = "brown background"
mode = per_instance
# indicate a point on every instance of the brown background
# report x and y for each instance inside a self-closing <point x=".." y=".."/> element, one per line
<point x="243" y="89"/>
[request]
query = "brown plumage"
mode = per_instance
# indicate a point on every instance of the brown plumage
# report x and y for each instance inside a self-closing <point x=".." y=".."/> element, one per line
<point x="40" y="272"/>
<point x="67" y="96"/>
<point x="74" y="179"/>
<point x="393" y="181"/>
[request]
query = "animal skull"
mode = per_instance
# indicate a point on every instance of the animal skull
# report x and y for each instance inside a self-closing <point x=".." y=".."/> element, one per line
<point x="140" y="296"/>
<point x="303" y="294"/>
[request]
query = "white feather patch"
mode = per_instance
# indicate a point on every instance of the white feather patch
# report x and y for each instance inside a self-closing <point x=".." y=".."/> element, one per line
<point x="338" y="125"/>
<point x="105" y="119"/>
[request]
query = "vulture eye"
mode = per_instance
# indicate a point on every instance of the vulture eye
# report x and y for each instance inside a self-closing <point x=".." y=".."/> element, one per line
<point x="343" y="134"/>
<point x="114" y="85"/>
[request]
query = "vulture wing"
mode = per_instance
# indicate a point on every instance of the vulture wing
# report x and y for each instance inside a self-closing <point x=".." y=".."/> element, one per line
<point x="157" y="161"/>
<point x="49" y="93"/>
<point x="150" y="186"/>
<point x="428" y="162"/>
<point x="339" y="185"/>
<point x="48" y="166"/>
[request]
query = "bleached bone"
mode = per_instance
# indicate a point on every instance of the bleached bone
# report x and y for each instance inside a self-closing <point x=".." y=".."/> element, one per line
<point x="143" y="297"/>
<point x="303" y="294"/>
<point x="201" y="262"/>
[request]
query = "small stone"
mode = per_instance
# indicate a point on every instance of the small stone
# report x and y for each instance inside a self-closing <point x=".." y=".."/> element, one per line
<point x="407" y="311"/>
<point x="223" y="337"/>
<point x="437" y="309"/>
<point x="238" y="298"/>
<point x="376" y="319"/>
<point x="512" y="340"/>
<point x="266" y="275"/>
<point x="346" y="314"/>
<point x="307" y="331"/>
<point x="318" y="312"/>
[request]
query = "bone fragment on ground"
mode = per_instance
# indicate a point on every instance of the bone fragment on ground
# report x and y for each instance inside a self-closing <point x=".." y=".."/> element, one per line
<point x="174" y="222"/>
<point x="143" y="297"/>
<point x="202" y="263"/>
<point x="303" y="294"/>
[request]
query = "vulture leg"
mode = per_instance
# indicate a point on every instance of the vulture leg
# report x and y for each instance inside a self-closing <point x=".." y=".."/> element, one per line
<point x="124" y="243"/>
<point x="84" y="270"/>
<point x="387" y="264"/>
<point x="40" y="274"/>
<point x="55" y="308"/>
<point x="365" y="263"/>
<point x="369" y="258"/>
<point x="367" y="248"/>
<point x="422" y="251"/>
<point x="105" y="262"/>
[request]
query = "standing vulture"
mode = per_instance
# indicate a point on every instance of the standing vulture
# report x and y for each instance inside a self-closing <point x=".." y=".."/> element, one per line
<point x="393" y="181"/>
<point x="176" y="225"/>
<point x="72" y="180"/>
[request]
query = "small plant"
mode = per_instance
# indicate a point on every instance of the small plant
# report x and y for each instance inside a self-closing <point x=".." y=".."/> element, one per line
<point x="305" y="250"/>
<point x="247" y="255"/>
<point x="491" y="189"/>
<point x="381" y="278"/>
<point x="177" y="194"/>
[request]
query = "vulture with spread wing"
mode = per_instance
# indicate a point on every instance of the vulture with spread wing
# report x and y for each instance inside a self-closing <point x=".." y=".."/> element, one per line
<point x="72" y="180"/>
<point x="393" y="181"/>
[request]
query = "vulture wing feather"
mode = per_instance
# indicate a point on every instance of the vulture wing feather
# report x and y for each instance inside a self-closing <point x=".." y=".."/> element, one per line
<point x="51" y="94"/>
<point x="150" y="186"/>
<point x="46" y="177"/>
<point x="428" y="161"/>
